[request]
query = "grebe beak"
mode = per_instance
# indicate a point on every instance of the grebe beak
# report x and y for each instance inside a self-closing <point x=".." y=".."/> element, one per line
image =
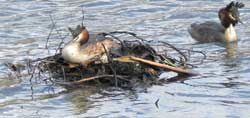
<point x="240" y="21"/>
<point x="235" y="19"/>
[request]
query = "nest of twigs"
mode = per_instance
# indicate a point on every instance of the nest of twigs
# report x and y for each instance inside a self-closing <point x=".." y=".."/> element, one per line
<point x="135" y="61"/>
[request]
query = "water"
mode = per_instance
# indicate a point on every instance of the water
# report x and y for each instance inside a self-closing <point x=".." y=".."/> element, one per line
<point x="222" y="89"/>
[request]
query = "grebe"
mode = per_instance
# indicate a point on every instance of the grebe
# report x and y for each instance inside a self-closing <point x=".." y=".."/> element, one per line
<point x="212" y="31"/>
<point x="82" y="51"/>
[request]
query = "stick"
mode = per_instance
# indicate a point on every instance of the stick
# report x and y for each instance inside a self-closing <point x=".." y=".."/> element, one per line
<point x="81" y="81"/>
<point x="171" y="68"/>
<point x="176" y="49"/>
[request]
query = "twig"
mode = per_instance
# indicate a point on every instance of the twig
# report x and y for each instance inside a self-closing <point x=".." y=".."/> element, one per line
<point x="31" y="83"/>
<point x="171" y="68"/>
<point x="59" y="34"/>
<point x="47" y="40"/>
<point x="116" y="38"/>
<point x="83" y="80"/>
<point x="130" y="33"/>
<point x="156" y="103"/>
<point x="110" y="64"/>
<point x="54" y="23"/>
<point x="64" y="76"/>
<point x="82" y="16"/>
<point x="176" y="49"/>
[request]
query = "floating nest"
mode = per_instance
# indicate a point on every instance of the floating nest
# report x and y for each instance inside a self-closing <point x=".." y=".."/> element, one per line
<point x="136" y="61"/>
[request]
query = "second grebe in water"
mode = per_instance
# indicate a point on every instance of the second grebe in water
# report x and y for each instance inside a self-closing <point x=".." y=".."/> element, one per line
<point x="212" y="31"/>
<point x="80" y="51"/>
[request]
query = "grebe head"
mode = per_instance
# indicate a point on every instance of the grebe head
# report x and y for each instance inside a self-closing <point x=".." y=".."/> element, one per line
<point x="80" y="35"/>
<point x="230" y="14"/>
<point x="72" y="51"/>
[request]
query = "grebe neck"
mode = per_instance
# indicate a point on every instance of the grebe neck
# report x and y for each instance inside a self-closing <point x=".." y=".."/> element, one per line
<point x="230" y="34"/>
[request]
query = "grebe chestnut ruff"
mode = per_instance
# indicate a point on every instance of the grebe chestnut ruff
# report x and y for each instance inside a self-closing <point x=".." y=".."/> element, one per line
<point x="212" y="31"/>
<point x="79" y="51"/>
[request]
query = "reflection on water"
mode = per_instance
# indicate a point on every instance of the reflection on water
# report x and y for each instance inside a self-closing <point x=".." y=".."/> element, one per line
<point x="79" y="98"/>
<point x="231" y="49"/>
<point x="222" y="89"/>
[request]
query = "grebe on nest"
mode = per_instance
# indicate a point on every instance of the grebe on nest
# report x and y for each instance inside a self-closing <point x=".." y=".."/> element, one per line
<point x="224" y="32"/>
<point x="82" y="51"/>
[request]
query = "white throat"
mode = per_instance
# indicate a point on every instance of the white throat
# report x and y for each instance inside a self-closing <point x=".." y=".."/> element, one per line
<point x="230" y="34"/>
<point x="72" y="53"/>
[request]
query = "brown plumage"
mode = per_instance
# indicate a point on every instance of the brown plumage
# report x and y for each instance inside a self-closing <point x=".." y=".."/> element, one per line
<point x="81" y="50"/>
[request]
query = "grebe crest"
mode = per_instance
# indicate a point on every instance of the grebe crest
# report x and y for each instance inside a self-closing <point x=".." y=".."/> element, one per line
<point x="211" y="31"/>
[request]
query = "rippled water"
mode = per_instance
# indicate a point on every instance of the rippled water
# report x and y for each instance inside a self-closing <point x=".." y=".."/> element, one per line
<point x="222" y="89"/>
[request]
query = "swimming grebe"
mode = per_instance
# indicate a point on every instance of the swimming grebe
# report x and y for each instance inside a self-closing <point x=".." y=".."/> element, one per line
<point x="79" y="51"/>
<point x="212" y="31"/>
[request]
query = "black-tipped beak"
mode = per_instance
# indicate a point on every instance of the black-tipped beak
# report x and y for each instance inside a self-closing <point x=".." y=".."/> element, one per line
<point x="236" y="18"/>
<point x="240" y="21"/>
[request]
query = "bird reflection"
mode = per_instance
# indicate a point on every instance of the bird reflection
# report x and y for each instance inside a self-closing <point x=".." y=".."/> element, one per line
<point x="231" y="50"/>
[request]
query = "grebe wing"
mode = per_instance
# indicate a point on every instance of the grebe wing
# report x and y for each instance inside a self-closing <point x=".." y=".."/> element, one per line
<point x="206" y="32"/>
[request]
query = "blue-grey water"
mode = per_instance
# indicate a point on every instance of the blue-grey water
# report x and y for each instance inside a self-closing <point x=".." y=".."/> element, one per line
<point x="221" y="91"/>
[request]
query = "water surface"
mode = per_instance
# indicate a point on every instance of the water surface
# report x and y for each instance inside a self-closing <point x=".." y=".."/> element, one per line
<point x="222" y="89"/>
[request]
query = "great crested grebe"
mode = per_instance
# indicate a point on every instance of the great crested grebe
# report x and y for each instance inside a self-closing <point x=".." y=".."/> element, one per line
<point x="211" y="31"/>
<point x="82" y="51"/>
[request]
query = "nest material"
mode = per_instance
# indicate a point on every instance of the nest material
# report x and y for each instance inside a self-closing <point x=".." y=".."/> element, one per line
<point x="135" y="61"/>
<point x="119" y="72"/>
